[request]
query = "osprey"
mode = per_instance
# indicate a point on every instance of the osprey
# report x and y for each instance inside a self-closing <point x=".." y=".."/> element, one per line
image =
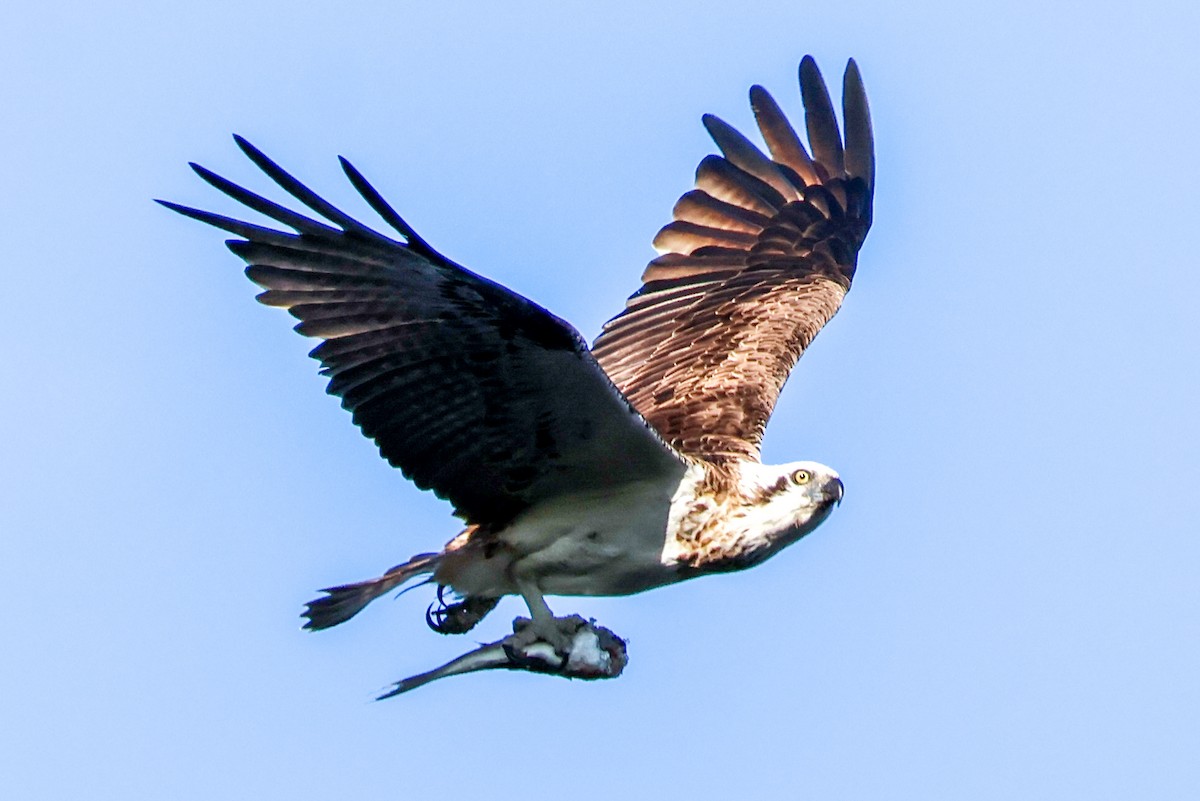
<point x="586" y="471"/>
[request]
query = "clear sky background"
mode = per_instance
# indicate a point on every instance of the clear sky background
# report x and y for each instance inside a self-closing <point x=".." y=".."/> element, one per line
<point x="1005" y="606"/>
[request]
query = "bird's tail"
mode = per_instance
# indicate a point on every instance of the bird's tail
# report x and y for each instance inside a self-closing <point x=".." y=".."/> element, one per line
<point x="342" y="603"/>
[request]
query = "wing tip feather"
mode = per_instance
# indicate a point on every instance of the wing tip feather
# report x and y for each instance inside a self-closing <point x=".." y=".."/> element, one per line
<point x="860" y="138"/>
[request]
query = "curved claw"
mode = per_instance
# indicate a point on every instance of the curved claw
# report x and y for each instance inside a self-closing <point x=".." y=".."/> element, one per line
<point x="459" y="617"/>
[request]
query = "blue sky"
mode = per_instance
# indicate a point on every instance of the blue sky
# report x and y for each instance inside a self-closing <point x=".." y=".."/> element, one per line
<point x="1005" y="605"/>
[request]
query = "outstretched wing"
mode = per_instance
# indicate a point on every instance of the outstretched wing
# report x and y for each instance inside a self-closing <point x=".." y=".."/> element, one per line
<point x="757" y="260"/>
<point x="472" y="390"/>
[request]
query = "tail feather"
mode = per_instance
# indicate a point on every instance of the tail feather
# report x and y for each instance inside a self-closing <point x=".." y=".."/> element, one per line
<point x="344" y="602"/>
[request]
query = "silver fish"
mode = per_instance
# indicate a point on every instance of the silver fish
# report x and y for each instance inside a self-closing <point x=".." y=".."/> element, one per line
<point x="594" y="652"/>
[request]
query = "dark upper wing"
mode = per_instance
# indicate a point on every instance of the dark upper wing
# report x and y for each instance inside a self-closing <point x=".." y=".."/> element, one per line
<point x="757" y="260"/>
<point x="470" y="389"/>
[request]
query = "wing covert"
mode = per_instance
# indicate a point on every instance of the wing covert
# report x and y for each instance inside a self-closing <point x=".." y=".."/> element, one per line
<point x="472" y="390"/>
<point x="756" y="261"/>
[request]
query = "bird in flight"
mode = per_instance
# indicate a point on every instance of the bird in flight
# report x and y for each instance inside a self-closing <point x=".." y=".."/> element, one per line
<point x="598" y="471"/>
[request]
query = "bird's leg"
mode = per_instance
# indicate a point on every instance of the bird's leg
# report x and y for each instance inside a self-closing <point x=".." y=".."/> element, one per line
<point x="543" y="625"/>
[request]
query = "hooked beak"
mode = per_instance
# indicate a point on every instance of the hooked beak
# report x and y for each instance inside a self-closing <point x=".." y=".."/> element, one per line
<point x="835" y="489"/>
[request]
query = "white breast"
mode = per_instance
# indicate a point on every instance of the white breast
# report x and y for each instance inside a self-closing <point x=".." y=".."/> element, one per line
<point x="595" y="544"/>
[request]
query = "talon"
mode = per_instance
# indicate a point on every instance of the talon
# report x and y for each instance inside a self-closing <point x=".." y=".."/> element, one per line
<point x="459" y="617"/>
<point x="558" y="632"/>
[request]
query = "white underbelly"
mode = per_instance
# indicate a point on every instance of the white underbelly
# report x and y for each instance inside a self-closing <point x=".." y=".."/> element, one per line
<point x="596" y="544"/>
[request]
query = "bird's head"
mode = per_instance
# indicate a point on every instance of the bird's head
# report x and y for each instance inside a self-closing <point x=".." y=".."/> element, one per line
<point x="785" y="502"/>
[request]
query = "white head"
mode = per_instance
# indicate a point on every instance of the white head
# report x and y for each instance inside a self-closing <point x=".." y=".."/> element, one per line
<point x="785" y="502"/>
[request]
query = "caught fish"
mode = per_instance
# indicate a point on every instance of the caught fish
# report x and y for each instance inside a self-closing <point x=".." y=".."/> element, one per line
<point x="593" y="652"/>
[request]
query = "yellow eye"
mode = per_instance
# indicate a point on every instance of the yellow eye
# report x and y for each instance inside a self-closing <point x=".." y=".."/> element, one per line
<point x="801" y="477"/>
